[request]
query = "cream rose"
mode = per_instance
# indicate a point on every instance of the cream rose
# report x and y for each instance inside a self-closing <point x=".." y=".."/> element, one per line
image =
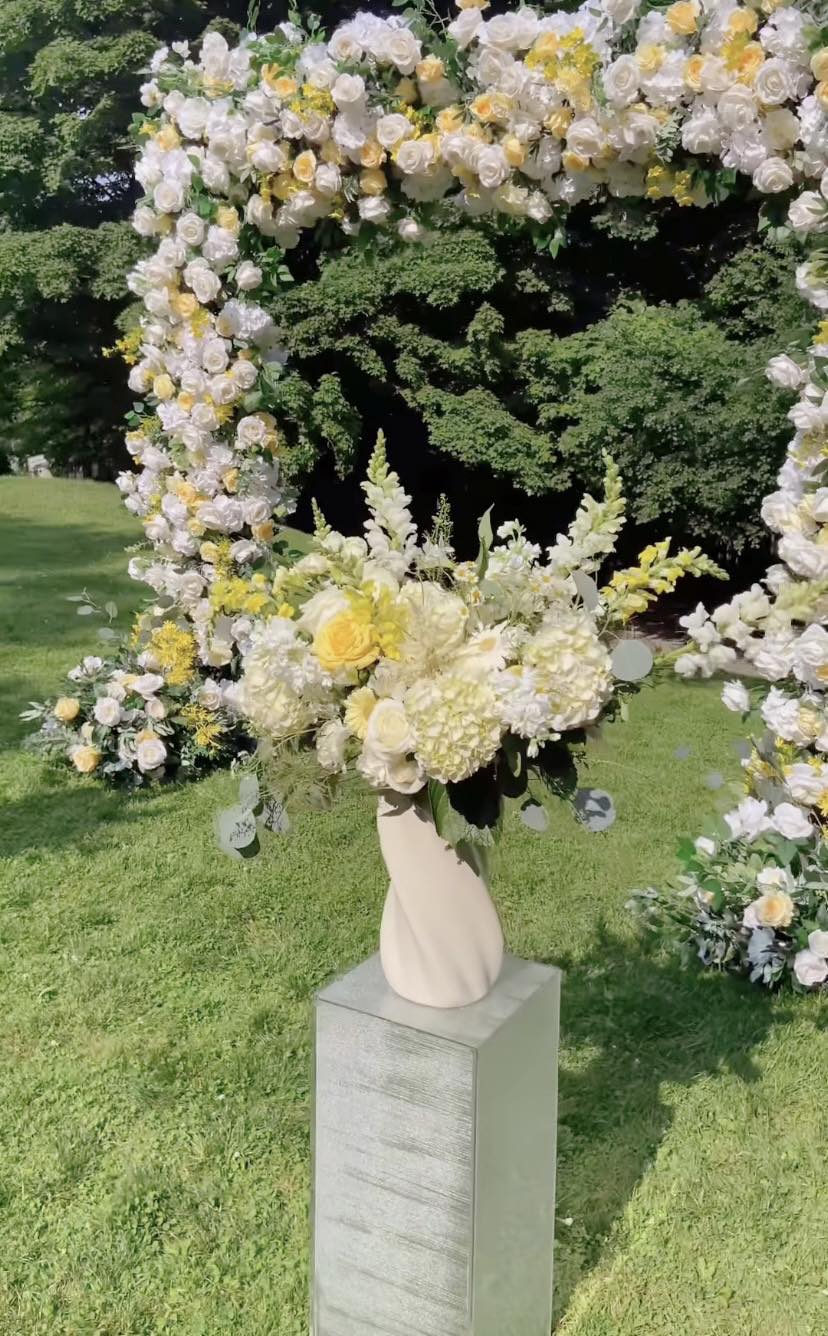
<point x="389" y="733"/>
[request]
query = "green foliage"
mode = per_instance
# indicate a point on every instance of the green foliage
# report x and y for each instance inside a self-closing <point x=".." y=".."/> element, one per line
<point x="516" y="367"/>
<point x="69" y="76"/>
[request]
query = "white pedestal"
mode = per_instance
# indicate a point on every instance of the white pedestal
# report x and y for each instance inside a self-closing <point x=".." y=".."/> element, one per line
<point x="434" y="1159"/>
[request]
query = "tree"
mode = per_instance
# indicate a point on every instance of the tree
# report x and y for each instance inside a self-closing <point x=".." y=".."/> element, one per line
<point x="647" y="335"/>
<point x="69" y="77"/>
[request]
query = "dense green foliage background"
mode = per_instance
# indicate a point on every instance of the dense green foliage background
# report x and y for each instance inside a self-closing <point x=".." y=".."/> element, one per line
<point x="69" y="77"/>
<point x="646" y="334"/>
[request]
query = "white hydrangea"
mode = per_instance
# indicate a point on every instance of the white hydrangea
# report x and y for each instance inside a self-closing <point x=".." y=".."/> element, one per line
<point x="456" y="725"/>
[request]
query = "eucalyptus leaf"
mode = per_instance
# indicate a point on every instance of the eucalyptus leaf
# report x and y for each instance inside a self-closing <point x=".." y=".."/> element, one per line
<point x="274" y="817"/>
<point x="111" y="610"/>
<point x="236" y="830"/>
<point x="587" y="588"/>
<point x="594" y="808"/>
<point x="631" y="660"/>
<point x="486" y="536"/>
<point x="535" y="817"/>
<point x="249" y="795"/>
<point x="85" y="610"/>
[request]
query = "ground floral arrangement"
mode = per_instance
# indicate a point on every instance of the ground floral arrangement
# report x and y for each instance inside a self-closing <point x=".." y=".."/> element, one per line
<point x="385" y="131"/>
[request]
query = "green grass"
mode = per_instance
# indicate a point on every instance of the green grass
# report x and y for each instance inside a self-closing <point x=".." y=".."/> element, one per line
<point x="155" y="1003"/>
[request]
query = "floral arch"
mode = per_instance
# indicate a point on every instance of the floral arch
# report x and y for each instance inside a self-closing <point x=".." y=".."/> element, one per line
<point x="387" y="129"/>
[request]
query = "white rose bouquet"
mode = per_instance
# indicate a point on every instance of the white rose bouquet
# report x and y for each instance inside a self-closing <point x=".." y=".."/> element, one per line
<point x="392" y="659"/>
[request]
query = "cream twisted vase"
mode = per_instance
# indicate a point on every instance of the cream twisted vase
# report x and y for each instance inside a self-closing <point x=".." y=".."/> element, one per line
<point x="441" y="943"/>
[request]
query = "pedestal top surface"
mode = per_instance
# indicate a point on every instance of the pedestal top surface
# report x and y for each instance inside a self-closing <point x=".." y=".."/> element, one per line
<point x="365" y="989"/>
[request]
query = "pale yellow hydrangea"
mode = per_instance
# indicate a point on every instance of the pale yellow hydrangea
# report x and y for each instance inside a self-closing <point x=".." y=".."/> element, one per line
<point x="574" y="668"/>
<point x="455" y="724"/>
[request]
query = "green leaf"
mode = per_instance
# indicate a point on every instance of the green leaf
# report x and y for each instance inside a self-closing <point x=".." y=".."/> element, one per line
<point x="486" y="536"/>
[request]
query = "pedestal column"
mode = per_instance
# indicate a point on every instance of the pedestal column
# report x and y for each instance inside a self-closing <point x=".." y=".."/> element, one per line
<point x="434" y="1159"/>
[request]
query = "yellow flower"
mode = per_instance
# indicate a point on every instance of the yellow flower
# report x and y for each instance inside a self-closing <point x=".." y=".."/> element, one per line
<point x="406" y="91"/>
<point x="693" y="71"/>
<point x="227" y="217"/>
<point x="86" y="759"/>
<point x="168" y="138"/>
<point x="472" y="4"/>
<point x="358" y="710"/>
<point x="483" y="107"/>
<point x="372" y="181"/>
<point x="66" y="709"/>
<point x="175" y="650"/>
<point x="547" y="45"/>
<point x="372" y="154"/>
<point x="775" y="910"/>
<point x="650" y="57"/>
<point x="558" y="122"/>
<point x="345" y="641"/>
<point x="304" y="168"/>
<point x="514" y="150"/>
<point x="162" y="387"/>
<point x="821" y="93"/>
<point x="449" y="119"/>
<point x="819" y="64"/>
<point x="574" y="162"/>
<point x="682" y="17"/>
<point x="430" y="69"/>
<point x="742" y="20"/>
<point x="749" y="62"/>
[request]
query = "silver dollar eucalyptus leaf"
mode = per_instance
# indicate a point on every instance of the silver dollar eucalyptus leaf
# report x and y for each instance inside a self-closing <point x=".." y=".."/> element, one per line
<point x="714" y="780"/>
<point x="742" y="748"/>
<point x="631" y="660"/>
<point x="594" y="808"/>
<point x="274" y="816"/>
<point x="587" y="588"/>
<point x="236" y="830"/>
<point x="535" y="817"/>
<point x="682" y="753"/>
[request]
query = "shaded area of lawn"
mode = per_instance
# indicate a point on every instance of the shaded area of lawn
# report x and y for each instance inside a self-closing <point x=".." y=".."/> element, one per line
<point x="155" y="1059"/>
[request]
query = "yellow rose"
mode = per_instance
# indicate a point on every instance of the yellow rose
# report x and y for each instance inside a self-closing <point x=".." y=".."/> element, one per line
<point x="372" y="181"/>
<point x="185" y="304"/>
<point x="693" y="71"/>
<point x="482" y="107"/>
<point x="227" y="217"/>
<point x="742" y="20"/>
<point x="263" y="533"/>
<point x="168" y="138"/>
<point x="751" y="58"/>
<point x="650" y="57"/>
<point x="345" y="642"/>
<point x="821" y="92"/>
<point x="372" y="154"/>
<point x="573" y="162"/>
<point x="66" y="709"/>
<point x="86" y="759"/>
<point x="331" y="152"/>
<point x="406" y="91"/>
<point x="162" y="387"/>
<point x="208" y="552"/>
<point x="514" y="150"/>
<point x="430" y="69"/>
<point x="231" y="479"/>
<point x="558" y="122"/>
<point x="775" y="910"/>
<point x="304" y="168"/>
<point x="682" y="17"/>
<point x="449" y="120"/>
<point x="472" y="4"/>
<point x="819" y="64"/>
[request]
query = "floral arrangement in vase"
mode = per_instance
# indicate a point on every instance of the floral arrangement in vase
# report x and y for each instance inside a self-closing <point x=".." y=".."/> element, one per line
<point x="444" y="684"/>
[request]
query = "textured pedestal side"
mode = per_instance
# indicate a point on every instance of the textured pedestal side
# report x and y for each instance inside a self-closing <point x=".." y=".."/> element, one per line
<point x="434" y="1159"/>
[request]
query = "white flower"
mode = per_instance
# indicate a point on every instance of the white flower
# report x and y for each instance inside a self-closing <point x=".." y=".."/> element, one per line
<point x="402" y="49"/>
<point x="785" y="372"/>
<point x="749" y="820"/>
<point x="147" y="685"/>
<point x="415" y="155"/>
<point x="773" y="176"/>
<point x="321" y="607"/>
<point x="389" y="733"/>
<point x="107" y="711"/>
<point x="464" y="28"/>
<point x="392" y="128"/>
<point x="818" y="942"/>
<point x="774" y="82"/>
<point x="168" y="196"/>
<point x="791" y="822"/>
<point x="348" y="91"/>
<point x="492" y="166"/>
<point x="621" y="80"/>
<point x="703" y="845"/>
<point x="456" y="726"/>
<point x="331" y="741"/>
<point x="150" y="753"/>
<point x="735" y="697"/>
<point x="810" y="969"/>
<point x="809" y="213"/>
<point x="374" y="209"/>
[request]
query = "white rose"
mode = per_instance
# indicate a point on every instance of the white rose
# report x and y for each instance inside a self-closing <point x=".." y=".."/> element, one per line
<point x="410" y="230"/>
<point x="348" y="91"/>
<point x="492" y="166"/>
<point x="192" y="116"/>
<point x="773" y="176"/>
<point x="785" y="372"/>
<point x="735" y="697"/>
<point x="621" y="10"/>
<point x="585" y="137"/>
<point x="248" y="276"/>
<point x="621" y="81"/>
<point x="328" y="178"/>
<point x="155" y="708"/>
<point x="392" y="128"/>
<point x="204" y="283"/>
<point x="818" y="942"/>
<point x="781" y="129"/>
<point x="389" y="733"/>
<point x="145" y="221"/>
<point x="374" y="209"/>
<point x="810" y="969"/>
<point x="214" y="356"/>
<point x="703" y="845"/>
<point x="221" y="246"/>
<point x="150" y="753"/>
<point x="463" y="29"/>
<point x="107" y="711"/>
<point x="402" y="49"/>
<point x="809" y="213"/>
<point x="331" y="741"/>
<point x="415" y="155"/>
<point x="737" y="107"/>
<point x="190" y="229"/>
<point x="268" y="157"/>
<point x="168" y="196"/>
<point x="792" y="822"/>
<point x="773" y="83"/>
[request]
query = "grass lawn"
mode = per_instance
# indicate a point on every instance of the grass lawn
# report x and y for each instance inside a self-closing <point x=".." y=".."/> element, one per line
<point x="156" y="999"/>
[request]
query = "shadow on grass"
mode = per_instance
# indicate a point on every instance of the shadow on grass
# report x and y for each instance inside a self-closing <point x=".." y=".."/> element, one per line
<point x="633" y="1023"/>
<point x="62" y="812"/>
